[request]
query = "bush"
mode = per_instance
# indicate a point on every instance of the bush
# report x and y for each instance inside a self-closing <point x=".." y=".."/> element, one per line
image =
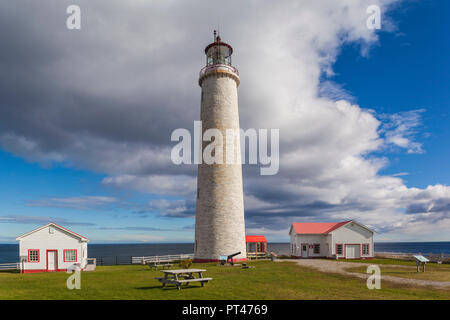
<point x="185" y="264"/>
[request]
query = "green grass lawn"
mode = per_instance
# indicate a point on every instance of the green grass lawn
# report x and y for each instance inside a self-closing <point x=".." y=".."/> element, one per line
<point x="269" y="280"/>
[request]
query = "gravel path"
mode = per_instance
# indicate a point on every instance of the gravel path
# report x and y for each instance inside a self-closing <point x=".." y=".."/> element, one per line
<point x="340" y="267"/>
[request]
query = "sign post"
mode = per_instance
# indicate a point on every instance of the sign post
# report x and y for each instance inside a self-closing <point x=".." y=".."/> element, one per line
<point x="421" y="260"/>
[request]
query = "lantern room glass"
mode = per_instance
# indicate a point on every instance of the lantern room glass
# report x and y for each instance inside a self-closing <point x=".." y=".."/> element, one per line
<point x="218" y="54"/>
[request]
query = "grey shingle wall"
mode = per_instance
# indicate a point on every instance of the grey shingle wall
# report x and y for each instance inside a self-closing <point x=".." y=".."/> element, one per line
<point x="219" y="225"/>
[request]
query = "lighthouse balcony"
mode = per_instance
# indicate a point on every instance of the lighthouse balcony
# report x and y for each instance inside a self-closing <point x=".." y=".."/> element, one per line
<point x="218" y="68"/>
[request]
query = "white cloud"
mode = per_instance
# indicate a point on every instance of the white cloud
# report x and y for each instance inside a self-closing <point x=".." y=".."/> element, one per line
<point x="155" y="184"/>
<point x="79" y="203"/>
<point x="400" y="129"/>
<point x="39" y="220"/>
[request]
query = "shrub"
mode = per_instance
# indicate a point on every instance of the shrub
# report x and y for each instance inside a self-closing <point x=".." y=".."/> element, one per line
<point x="185" y="264"/>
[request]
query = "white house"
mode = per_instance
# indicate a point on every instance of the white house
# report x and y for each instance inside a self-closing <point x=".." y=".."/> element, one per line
<point x="347" y="239"/>
<point x="52" y="248"/>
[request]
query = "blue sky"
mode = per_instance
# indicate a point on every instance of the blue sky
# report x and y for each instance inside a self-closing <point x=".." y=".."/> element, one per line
<point x="409" y="69"/>
<point x="402" y="80"/>
<point x="27" y="183"/>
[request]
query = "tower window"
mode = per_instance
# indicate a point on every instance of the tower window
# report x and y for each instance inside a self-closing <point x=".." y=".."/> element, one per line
<point x="198" y="193"/>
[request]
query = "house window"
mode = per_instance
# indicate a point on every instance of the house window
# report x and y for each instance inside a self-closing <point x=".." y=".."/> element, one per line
<point x="33" y="255"/>
<point x="316" y="249"/>
<point x="365" y="249"/>
<point x="70" y="255"/>
<point x="339" y="250"/>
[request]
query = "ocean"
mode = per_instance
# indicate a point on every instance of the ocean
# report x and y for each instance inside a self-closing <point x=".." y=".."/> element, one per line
<point x="109" y="252"/>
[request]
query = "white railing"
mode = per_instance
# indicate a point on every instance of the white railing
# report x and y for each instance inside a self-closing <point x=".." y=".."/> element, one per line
<point x="225" y="67"/>
<point x="166" y="258"/>
<point x="10" y="266"/>
<point x="257" y="255"/>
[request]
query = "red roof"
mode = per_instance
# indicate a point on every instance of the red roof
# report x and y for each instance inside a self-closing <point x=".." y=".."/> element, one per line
<point x="55" y="225"/>
<point x="317" y="227"/>
<point x="255" y="239"/>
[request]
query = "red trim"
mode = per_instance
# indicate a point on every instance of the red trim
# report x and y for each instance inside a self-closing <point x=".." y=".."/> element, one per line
<point x="76" y="255"/>
<point x="216" y="260"/>
<point x="70" y="231"/>
<point x="34" y="271"/>
<point x="47" y="225"/>
<point x="42" y="270"/>
<point x="39" y="256"/>
<point x="52" y="250"/>
<point x="352" y="244"/>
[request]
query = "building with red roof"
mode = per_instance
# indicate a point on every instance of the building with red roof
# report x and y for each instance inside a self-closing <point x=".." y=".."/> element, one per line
<point x="340" y="240"/>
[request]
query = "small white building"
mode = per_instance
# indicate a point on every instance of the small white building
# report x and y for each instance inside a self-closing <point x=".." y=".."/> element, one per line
<point x="52" y="248"/>
<point x="345" y="240"/>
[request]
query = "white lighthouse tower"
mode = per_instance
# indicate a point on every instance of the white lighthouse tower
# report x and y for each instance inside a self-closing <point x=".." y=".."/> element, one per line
<point x="219" y="224"/>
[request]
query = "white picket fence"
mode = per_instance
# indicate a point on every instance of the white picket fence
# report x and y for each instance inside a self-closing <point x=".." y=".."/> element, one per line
<point x="166" y="258"/>
<point x="10" y="266"/>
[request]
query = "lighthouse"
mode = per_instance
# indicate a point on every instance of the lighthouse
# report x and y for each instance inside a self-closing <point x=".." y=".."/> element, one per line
<point x="219" y="220"/>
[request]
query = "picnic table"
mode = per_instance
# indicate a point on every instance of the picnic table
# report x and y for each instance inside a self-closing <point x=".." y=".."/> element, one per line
<point x="159" y="263"/>
<point x="180" y="276"/>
